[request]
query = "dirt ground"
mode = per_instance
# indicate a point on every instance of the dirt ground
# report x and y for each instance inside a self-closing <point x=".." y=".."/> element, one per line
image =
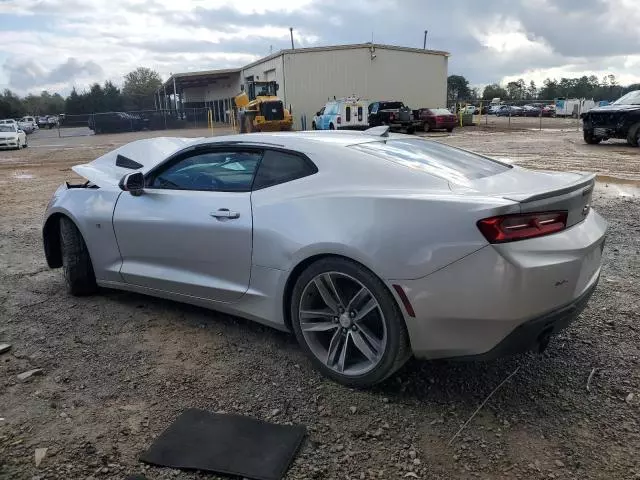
<point x="117" y="368"/>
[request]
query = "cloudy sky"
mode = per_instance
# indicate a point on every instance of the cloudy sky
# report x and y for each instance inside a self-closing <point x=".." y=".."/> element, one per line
<point x="54" y="44"/>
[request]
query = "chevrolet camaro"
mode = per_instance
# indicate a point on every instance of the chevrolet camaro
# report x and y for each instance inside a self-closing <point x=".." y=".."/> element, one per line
<point x="369" y="247"/>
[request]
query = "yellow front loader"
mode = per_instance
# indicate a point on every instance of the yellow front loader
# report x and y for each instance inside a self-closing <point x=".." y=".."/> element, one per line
<point x="262" y="110"/>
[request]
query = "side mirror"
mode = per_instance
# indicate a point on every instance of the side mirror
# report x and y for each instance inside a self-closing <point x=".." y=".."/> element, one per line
<point x="132" y="183"/>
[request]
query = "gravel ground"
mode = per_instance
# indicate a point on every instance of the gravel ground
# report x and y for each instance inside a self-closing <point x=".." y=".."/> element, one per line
<point x="117" y="368"/>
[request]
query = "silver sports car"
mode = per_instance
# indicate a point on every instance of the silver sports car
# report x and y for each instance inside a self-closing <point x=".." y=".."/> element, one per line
<point x="370" y="247"/>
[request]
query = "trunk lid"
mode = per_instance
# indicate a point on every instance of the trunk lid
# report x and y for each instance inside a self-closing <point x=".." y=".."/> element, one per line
<point x="537" y="191"/>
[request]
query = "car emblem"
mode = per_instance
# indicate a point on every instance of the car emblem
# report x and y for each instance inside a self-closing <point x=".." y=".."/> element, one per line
<point x="585" y="209"/>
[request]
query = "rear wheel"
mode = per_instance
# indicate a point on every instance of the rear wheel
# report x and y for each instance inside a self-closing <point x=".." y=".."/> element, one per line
<point x="450" y="129"/>
<point x="331" y="126"/>
<point x="348" y="323"/>
<point x="426" y="127"/>
<point x="411" y="130"/>
<point x="590" y="138"/>
<point x="76" y="263"/>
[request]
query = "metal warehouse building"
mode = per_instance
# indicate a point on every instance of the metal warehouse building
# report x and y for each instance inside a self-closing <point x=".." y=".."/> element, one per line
<point x="308" y="77"/>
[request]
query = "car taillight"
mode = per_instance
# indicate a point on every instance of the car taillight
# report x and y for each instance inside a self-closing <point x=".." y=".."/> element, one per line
<point x="339" y="120"/>
<point x="509" y="228"/>
<point x="439" y="118"/>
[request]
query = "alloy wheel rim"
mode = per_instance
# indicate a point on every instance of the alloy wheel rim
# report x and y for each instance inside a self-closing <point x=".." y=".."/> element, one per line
<point x="342" y="323"/>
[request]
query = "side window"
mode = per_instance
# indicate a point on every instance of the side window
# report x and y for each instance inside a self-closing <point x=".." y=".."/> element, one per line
<point x="280" y="167"/>
<point x="347" y="113"/>
<point x="373" y="108"/>
<point x="360" y="113"/>
<point x="230" y="171"/>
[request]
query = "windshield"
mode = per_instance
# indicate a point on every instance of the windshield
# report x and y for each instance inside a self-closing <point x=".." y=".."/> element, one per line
<point x="631" y="98"/>
<point x="452" y="164"/>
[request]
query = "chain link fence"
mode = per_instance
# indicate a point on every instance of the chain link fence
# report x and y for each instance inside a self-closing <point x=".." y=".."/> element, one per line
<point x="136" y="121"/>
<point x="523" y="114"/>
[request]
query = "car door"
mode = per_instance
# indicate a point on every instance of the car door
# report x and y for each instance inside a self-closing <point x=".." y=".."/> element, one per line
<point x="190" y="231"/>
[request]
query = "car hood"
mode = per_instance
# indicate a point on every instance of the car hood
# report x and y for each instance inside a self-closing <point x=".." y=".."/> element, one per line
<point x="615" y="108"/>
<point x="8" y="134"/>
<point x="148" y="153"/>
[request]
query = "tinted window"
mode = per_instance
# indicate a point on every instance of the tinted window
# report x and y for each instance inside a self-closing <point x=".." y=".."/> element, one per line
<point x="280" y="167"/>
<point x="373" y="108"/>
<point x="435" y="158"/>
<point x="210" y="171"/>
<point x="359" y="114"/>
<point x="440" y="111"/>
<point x="390" y="105"/>
<point x="347" y="114"/>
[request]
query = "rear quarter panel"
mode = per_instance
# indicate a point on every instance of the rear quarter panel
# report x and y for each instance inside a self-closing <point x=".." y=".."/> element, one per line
<point x="398" y="233"/>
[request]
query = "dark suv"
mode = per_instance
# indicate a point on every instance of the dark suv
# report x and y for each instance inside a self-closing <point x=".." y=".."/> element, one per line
<point x="394" y="114"/>
<point x="621" y="119"/>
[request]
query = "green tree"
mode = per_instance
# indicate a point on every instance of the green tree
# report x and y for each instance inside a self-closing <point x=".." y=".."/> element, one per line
<point x="457" y="88"/>
<point x="139" y="87"/>
<point x="113" y="100"/>
<point x="532" y="91"/>
<point x="494" y="91"/>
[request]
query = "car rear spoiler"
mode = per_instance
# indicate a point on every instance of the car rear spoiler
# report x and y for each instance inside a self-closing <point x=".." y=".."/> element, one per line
<point x="587" y="181"/>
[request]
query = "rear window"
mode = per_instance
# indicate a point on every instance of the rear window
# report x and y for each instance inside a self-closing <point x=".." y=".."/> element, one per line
<point x="390" y="105"/>
<point x="443" y="161"/>
<point x="440" y="111"/>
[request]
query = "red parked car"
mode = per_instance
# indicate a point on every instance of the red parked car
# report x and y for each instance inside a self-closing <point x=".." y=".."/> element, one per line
<point x="437" y="119"/>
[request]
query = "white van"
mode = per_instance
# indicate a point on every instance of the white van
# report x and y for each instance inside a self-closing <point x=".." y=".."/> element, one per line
<point x="344" y="113"/>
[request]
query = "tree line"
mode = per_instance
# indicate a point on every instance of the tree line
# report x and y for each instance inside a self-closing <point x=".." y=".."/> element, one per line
<point x="607" y="88"/>
<point x="137" y="93"/>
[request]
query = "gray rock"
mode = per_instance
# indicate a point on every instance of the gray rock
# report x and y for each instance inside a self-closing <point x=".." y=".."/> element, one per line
<point x="559" y="463"/>
<point x="4" y="347"/>
<point x="353" y="409"/>
<point x="30" y="373"/>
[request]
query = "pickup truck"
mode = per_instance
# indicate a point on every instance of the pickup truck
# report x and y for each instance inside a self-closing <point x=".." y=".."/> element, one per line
<point x="395" y="114"/>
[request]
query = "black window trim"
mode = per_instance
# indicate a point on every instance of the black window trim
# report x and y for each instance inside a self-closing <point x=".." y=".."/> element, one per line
<point x="226" y="147"/>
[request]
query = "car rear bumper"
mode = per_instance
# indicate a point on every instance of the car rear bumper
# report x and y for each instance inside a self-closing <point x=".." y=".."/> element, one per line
<point x="474" y="304"/>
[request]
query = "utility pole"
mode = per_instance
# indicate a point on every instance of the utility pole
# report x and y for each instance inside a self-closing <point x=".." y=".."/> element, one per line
<point x="291" y="33"/>
<point x="424" y="46"/>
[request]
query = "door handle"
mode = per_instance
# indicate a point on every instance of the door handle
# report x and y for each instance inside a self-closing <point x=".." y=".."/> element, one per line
<point x="225" y="213"/>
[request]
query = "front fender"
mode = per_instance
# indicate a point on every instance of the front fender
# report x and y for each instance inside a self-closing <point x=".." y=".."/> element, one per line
<point x="91" y="210"/>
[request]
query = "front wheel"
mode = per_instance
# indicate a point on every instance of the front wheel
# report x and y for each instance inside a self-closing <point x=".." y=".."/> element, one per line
<point x="76" y="262"/>
<point x="331" y="126"/>
<point x="313" y="126"/>
<point x="590" y="138"/>
<point x="348" y="323"/>
<point x="426" y="127"/>
<point x="633" y="135"/>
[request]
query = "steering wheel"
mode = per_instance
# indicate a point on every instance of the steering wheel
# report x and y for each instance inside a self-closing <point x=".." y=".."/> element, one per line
<point x="207" y="181"/>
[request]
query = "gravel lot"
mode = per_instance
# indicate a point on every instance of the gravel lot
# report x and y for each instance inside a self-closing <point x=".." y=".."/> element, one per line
<point x="117" y="368"/>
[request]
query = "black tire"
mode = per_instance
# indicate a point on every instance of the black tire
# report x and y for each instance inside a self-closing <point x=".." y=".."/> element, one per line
<point x="332" y="126"/>
<point x="633" y="135"/>
<point x="76" y="263"/>
<point x="426" y="127"/>
<point x="397" y="348"/>
<point x="313" y="126"/>
<point x="411" y="130"/>
<point x="450" y="129"/>
<point x="590" y="138"/>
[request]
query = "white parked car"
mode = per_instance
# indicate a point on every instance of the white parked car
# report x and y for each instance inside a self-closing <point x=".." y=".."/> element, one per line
<point x="28" y="120"/>
<point x="11" y="136"/>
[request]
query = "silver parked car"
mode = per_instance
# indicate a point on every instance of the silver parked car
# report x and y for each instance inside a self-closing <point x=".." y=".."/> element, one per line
<point x="370" y="247"/>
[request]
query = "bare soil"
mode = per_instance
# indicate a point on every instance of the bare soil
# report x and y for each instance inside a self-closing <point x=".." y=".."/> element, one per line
<point x="117" y="367"/>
